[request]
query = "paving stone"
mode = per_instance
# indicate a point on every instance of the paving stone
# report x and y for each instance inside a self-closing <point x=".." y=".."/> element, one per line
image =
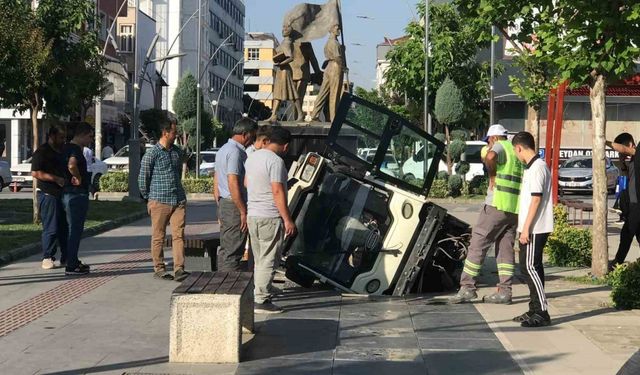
<point x="463" y="343"/>
<point x="470" y="362"/>
<point x="380" y="341"/>
<point x="373" y="314"/>
<point x="376" y="323"/>
<point x="262" y="346"/>
<point x="288" y="367"/>
<point x="378" y="354"/>
<point x="379" y="368"/>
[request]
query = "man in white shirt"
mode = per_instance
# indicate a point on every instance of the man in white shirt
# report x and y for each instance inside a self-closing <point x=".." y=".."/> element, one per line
<point x="535" y="223"/>
<point x="268" y="219"/>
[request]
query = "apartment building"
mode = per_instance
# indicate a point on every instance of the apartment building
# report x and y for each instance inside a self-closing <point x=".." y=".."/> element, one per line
<point x="259" y="72"/>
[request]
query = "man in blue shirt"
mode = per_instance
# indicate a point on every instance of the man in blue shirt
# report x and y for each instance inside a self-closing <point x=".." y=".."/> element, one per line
<point x="231" y="194"/>
<point x="160" y="182"/>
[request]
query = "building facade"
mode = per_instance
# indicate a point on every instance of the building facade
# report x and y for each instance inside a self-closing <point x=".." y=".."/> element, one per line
<point x="222" y="73"/>
<point x="259" y="72"/>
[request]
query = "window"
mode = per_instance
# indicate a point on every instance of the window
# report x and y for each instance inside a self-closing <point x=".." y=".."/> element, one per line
<point x="251" y="88"/>
<point x="253" y="54"/>
<point x="126" y="38"/>
<point x="103" y="26"/>
<point x="252" y="72"/>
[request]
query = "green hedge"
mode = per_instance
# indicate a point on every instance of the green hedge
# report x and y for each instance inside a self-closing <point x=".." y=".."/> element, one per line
<point x="198" y="185"/>
<point x="115" y="182"/>
<point x="625" y="284"/>
<point x="568" y="246"/>
<point x="118" y="182"/>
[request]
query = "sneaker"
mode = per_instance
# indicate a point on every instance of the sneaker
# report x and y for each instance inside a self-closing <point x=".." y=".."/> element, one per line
<point x="267" y="308"/>
<point x="48" y="263"/>
<point x="537" y="319"/>
<point x="463" y="295"/>
<point x="80" y="270"/>
<point x="163" y="275"/>
<point x="180" y="274"/>
<point x="84" y="266"/>
<point x="523" y="317"/>
<point x="498" y="298"/>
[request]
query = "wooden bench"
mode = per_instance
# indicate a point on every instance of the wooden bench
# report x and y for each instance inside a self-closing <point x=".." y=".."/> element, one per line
<point x="201" y="242"/>
<point x="577" y="206"/>
<point x="209" y="312"/>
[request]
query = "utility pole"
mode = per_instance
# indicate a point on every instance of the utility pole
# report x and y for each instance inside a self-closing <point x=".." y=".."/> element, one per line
<point x="427" y="116"/>
<point x="198" y="119"/>
<point x="491" y="84"/>
<point x="134" y="142"/>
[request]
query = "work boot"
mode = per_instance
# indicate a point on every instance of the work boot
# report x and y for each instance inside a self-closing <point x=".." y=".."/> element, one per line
<point x="500" y="297"/>
<point x="463" y="295"/>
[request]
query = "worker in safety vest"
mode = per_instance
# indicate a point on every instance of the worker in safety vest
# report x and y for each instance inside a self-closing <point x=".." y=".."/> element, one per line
<point x="497" y="222"/>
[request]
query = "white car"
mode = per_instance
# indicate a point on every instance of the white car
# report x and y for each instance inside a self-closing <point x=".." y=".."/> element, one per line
<point x="120" y="161"/>
<point x="208" y="162"/>
<point x="21" y="173"/>
<point x="414" y="166"/>
<point x="390" y="165"/>
<point x="5" y="175"/>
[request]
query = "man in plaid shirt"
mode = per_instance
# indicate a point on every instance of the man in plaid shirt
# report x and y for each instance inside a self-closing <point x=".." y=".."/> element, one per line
<point x="160" y="184"/>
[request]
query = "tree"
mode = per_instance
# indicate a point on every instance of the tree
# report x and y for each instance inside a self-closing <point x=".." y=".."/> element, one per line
<point x="449" y="110"/>
<point x="453" y="53"/>
<point x="589" y="43"/>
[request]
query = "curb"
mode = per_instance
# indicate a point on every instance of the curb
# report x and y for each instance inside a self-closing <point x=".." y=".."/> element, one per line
<point x="35" y="248"/>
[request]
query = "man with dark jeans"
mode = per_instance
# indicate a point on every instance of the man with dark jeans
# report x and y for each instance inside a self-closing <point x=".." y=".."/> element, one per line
<point x="48" y="167"/>
<point x="75" y="197"/>
<point x="232" y="195"/>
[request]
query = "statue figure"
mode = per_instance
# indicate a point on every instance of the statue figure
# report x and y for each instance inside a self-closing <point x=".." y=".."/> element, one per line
<point x="284" y="89"/>
<point x="331" y="89"/>
<point x="303" y="60"/>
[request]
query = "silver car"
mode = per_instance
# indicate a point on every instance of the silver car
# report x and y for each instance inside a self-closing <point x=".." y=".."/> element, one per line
<point x="576" y="174"/>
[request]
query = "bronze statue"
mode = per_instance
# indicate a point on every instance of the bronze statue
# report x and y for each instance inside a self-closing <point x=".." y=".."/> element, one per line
<point x="331" y="89"/>
<point x="284" y="89"/>
<point x="303" y="60"/>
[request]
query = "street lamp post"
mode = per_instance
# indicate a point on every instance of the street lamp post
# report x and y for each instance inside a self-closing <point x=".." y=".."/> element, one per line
<point x="198" y="119"/>
<point x="491" y="84"/>
<point x="215" y="115"/>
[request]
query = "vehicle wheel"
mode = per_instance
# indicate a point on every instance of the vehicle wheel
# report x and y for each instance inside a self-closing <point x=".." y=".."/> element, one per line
<point x="1" y="184"/>
<point x="96" y="182"/>
<point x="408" y="177"/>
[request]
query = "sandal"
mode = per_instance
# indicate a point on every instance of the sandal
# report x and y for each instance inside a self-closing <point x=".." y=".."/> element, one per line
<point x="163" y="275"/>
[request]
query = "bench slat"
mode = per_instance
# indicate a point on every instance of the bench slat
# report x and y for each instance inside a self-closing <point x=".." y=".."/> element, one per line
<point x="202" y="282"/>
<point x="188" y="282"/>
<point x="241" y="284"/>
<point x="215" y="282"/>
<point x="228" y="283"/>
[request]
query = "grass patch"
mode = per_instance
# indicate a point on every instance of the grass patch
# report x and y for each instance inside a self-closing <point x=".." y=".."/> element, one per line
<point x="587" y="280"/>
<point x="17" y="229"/>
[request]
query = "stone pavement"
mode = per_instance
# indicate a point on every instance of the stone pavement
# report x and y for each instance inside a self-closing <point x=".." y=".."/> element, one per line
<point x="117" y="321"/>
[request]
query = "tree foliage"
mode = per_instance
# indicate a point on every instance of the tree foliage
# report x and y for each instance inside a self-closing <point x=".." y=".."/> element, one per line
<point x="453" y="52"/>
<point x="184" y="99"/>
<point x="184" y="105"/>
<point x="588" y="43"/>
<point x="449" y="109"/>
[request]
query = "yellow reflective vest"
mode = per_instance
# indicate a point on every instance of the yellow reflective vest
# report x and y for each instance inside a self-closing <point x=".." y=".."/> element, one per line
<point x="508" y="180"/>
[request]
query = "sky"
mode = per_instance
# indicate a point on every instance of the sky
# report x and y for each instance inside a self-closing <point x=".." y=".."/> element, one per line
<point x="385" y="18"/>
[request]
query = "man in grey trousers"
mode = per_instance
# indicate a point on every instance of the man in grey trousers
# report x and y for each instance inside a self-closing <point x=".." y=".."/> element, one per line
<point x="231" y="194"/>
<point x="269" y="217"/>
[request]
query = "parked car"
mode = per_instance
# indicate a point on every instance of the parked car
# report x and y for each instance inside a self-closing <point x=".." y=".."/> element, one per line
<point x="5" y="175"/>
<point x="576" y="174"/>
<point x="120" y="161"/>
<point x="21" y="174"/>
<point x="208" y="162"/>
<point x="414" y="166"/>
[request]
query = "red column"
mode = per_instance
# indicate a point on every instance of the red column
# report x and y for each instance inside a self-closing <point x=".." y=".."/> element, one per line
<point x="551" y="107"/>
<point x="557" y="136"/>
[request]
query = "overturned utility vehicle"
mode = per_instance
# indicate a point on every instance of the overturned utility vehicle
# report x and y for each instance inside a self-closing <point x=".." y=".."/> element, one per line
<point x="364" y="226"/>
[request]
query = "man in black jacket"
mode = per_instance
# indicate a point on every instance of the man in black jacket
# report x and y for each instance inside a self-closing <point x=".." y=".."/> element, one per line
<point x="626" y="146"/>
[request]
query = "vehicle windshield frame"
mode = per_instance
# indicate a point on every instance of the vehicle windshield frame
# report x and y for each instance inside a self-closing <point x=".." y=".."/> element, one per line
<point x="393" y="127"/>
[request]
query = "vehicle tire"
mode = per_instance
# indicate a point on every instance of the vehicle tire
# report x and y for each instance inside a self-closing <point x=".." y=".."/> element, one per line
<point x="408" y="177"/>
<point x="1" y="184"/>
<point x="96" y="182"/>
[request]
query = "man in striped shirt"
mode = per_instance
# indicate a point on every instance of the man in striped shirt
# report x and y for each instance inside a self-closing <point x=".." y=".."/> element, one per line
<point x="160" y="182"/>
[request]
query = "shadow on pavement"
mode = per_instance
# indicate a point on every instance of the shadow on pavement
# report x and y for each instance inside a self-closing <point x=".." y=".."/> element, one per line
<point x="112" y="367"/>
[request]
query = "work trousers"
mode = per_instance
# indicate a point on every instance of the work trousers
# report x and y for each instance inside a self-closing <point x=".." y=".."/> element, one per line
<point x="533" y="270"/>
<point x="162" y="215"/>
<point x="232" y="239"/>
<point x="493" y="227"/>
<point x="266" y="236"/>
